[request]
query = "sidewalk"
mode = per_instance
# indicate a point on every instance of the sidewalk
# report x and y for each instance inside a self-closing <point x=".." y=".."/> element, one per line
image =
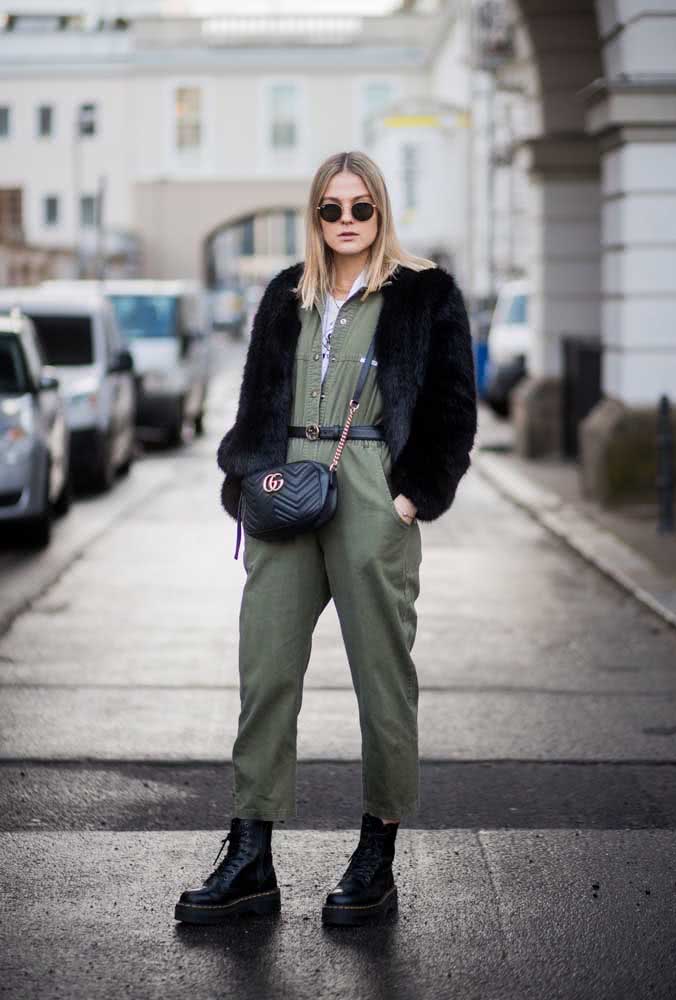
<point x="624" y="544"/>
<point x="541" y="862"/>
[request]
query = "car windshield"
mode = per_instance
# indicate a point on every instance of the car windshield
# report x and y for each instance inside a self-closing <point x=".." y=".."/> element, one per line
<point x="65" y="340"/>
<point x="146" y="315"/>
<point x="13" y="373"/>
<point x="517" y="309"/>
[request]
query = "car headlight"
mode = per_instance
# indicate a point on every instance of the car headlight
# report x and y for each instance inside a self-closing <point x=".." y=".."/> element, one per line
<point x="16" y="429"/>
<point x="85" y="399"/>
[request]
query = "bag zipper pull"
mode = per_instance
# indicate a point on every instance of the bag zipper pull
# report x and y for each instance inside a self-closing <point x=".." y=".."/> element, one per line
<point x="239" y="525"/>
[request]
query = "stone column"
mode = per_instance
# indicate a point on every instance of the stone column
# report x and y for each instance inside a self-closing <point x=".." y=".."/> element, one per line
<point x="632" y="111"/>
<point x="564" y="272"/>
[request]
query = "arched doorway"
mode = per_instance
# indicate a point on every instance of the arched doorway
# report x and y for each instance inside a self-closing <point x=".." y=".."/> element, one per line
<point x="601" y="154"/>
<point x="241" y="255"/>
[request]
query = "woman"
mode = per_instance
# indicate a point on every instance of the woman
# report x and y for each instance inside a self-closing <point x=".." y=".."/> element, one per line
<point x="402" y="464"/>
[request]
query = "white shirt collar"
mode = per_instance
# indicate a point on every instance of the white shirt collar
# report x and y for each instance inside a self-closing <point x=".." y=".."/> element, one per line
<point x="356" y="285"/>
<point x="358" y="282"/>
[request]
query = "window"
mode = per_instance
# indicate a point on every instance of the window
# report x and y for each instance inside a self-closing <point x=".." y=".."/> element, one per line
<point x="377" y="95"/>
<point x="65" y="340"/>
<point x="517" y="311"/>
<point x="247" y="245"/>
<point x="188" y="118"/>
<point x="409" y="154"/>
<point x="11" y="213"/>
<point x="50" y="208"/>
<point x="13" y="373"/>
<point x="86" y="119"/>
<point x="146" y="316"/>
<point x="88" y="210"/>
<point x="4" y="121"/>
<point x="283" y="98"/>
<point x="290" y="232"/>
<point x="45" y="120"/>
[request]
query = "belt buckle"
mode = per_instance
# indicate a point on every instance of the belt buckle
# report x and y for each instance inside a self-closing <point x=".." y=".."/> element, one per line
<point x="312" y="431"/>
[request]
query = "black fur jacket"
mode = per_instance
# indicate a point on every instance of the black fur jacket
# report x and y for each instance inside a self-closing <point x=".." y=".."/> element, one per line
<point x="425" y="374"/>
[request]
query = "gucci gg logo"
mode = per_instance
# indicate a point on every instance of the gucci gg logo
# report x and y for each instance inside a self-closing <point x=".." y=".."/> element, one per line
<point x="273" y="482"/>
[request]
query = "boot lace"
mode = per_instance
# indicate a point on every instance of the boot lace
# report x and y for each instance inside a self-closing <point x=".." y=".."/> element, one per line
<point x="366" y="859"/>
<point x="226" y="864"/>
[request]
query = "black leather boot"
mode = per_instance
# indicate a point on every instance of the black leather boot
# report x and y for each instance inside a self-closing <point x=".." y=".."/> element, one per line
<point x="244" y="881"/>
<point x="366" y="890"/>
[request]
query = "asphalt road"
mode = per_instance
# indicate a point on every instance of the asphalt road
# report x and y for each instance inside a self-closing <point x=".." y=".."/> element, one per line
<point x="542" y="862"/>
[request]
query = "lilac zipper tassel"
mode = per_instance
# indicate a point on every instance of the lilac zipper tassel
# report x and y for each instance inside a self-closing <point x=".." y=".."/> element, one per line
<point x="239" y="525"/>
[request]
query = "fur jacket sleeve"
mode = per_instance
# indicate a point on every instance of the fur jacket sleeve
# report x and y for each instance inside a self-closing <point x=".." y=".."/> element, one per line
<point x="425" y="374"/>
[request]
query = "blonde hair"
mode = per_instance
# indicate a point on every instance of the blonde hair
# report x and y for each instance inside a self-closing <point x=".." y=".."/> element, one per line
<point x="386" y="253"/>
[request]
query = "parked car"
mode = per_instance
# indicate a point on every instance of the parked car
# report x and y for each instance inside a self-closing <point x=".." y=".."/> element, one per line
<point x="34" y="435"/>
<point x="510" y="345"/>
<point x="83" y="347"/>
<point x="165" y="325"/>
<point x="228" y="310"/>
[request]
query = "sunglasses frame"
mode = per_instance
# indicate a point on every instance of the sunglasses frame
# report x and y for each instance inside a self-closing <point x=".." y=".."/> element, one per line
<point x="352" y="216"/>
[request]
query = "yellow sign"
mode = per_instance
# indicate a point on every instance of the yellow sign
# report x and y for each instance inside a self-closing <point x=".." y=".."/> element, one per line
<point x="412" y="121"/>
<point x="462" y="119"/>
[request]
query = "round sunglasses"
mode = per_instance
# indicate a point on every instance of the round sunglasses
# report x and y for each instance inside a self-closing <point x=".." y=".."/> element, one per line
<point x="361" y="212"/>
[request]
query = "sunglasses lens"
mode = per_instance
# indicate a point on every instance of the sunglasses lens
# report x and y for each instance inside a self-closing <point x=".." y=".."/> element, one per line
<point x="362" y="211"/>
<point x="330" y="213"/>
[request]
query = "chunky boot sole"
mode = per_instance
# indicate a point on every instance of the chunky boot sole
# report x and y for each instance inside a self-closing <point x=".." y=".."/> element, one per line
<point x="260" y="902"/>
<point x="352" y="915"/>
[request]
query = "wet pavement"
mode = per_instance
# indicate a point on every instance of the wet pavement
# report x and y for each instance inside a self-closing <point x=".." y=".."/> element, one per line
<point x="542" y="861"/>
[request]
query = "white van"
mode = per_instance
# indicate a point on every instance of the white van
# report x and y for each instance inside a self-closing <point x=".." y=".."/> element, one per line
<point x="166" y="329"/>
<point x="510" y="335"/>
<point x="83" y="348"/>
<point x="165" y="326"/>
<point x="510" y="345"/>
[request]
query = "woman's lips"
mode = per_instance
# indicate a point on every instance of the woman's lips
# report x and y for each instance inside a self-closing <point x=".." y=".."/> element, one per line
<point x="347" y="236"/>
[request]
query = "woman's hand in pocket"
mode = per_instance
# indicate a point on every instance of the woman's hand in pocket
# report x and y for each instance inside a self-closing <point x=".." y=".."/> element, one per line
<point x="405" y="507"/>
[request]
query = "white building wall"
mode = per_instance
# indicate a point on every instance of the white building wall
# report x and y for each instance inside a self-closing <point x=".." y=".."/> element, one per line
<point x="51" y="165"/>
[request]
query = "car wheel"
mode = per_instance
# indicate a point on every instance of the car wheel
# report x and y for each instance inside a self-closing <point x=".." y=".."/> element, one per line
<point x="103" y="476"/>
<point x="175" y="430"/>
<point x="125" y="468"/>
<point x="38" y="530"/>
<point x="499" y="405"/>
<point x="65" y="498"/>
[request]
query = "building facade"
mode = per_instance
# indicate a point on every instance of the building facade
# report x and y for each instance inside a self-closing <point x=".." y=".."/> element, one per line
<point x="198" y="136"/>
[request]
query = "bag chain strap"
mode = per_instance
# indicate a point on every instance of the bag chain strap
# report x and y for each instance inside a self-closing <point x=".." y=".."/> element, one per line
<point x="343" y="437"/>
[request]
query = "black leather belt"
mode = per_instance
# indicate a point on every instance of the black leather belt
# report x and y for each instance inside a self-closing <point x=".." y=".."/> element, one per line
<point x="369" y="432"/>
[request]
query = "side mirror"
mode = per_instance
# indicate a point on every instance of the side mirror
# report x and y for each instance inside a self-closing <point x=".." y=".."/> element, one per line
<point x="47" y="382"/>
<point x="123" y="363"/>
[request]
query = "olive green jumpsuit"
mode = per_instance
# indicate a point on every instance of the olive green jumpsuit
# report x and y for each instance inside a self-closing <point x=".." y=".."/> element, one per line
<point x="367" y="558"/>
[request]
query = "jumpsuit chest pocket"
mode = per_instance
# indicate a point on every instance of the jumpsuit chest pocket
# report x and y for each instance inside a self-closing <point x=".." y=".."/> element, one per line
<point x="383" y="485"/>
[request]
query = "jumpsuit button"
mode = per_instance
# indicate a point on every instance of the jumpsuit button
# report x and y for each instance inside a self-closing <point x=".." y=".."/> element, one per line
<point x="313" y="393"/>
<point x="316" y="357"/>
<point x="343" y="321"/>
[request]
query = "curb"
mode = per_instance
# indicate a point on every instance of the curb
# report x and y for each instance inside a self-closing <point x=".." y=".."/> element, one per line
<point x="604" y="550"/>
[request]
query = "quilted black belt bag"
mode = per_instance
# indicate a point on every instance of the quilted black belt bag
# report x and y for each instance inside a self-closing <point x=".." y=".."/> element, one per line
<point x="287" y="499"/>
